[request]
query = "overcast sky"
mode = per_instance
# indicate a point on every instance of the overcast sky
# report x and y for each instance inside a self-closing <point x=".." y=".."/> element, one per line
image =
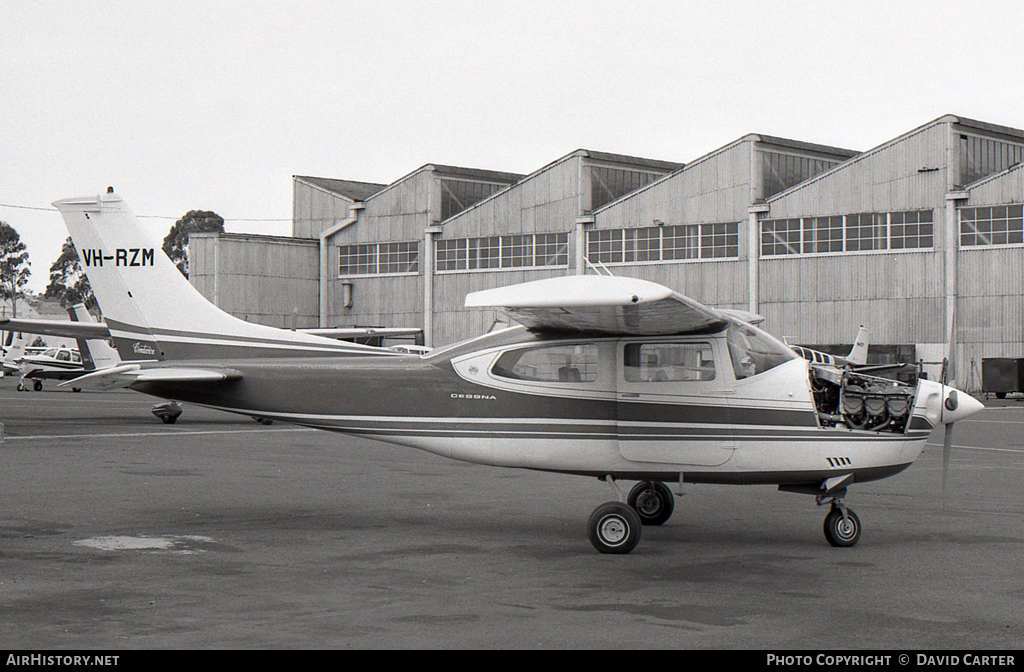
<point x="215" y="105"/>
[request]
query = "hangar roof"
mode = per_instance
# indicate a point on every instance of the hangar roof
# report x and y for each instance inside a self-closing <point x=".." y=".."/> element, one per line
<point x="356" y="191"/>
<point x="801" y="145"/>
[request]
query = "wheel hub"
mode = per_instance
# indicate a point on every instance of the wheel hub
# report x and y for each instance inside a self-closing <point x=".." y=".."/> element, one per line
<point x="648" y="503"/>
<point x="613" y="530"/>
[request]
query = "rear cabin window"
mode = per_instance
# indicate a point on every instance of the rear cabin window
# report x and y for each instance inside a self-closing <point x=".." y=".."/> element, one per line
<point x="668" y="362"/>
<point x="553" y="364"/>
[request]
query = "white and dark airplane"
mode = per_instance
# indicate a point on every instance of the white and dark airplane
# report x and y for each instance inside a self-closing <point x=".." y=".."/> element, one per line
<point x="60" y="362"/>
<point x="57" y="363"/>
<point x="607" y="377"/>
<point x="857" y="358"/>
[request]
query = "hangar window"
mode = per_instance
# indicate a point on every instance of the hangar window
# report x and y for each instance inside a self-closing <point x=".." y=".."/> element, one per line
<point x="866" y="231"/>
<point x="516" y="251"/>
<point x="378" y="258"/>
<point x="484" y="252"/>
<point x="357" y="259"/>
<point x="780" y="236"/>
<point x="642" y="244"/>
<point x="782" y="171"/>
<point x="457" y="195"/>
<point x="663" y="243"/>
<point x="452" y="254"/>
<point x="719" y="240"/>
<point x="999" y="225"/>
<point x="605" y="246"/>
<point x="608" y="184"/>
<point x="520" y="251"/>
<point x="398" y="257"/>
<point x="823" y="234"/>
<point x="680" y="242"/>
<point x="862" y="232"/>
<point x="910" y="230"/>
<point x="552" y="364"/>
<point x="552" y="249"/>
<point x="980" y="157"/>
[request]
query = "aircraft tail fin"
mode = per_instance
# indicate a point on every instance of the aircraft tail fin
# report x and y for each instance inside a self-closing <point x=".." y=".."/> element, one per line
<point x="151" y="309"/>
<point x="96" y="354"/>
<point x="10" y="363"/>
<point x="14" y="352"/>
<point x="859" y="354"/>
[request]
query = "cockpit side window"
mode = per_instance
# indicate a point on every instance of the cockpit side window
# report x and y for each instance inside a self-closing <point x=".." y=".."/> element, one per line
<point x="753" y="351"/>
<point x="552" y="364"/>
<point x="668" y="362"/>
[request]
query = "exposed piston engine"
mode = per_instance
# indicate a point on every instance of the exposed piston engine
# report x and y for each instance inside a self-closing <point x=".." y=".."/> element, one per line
<point x="861" y="402"/>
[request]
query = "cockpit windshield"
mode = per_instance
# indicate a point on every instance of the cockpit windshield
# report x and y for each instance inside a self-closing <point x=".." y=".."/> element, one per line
<point x="753" y="351"/>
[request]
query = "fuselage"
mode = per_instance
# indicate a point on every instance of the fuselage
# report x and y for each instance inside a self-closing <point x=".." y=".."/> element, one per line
<point x="52" y="364"/>
<point x="698" y="408"/>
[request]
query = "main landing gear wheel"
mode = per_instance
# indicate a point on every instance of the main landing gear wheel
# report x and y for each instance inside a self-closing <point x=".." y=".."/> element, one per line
<point x="37" y="385"/>
<point x="840" y="530"/>
<point x="614" y="527"/>
<point x="653" y="501"/>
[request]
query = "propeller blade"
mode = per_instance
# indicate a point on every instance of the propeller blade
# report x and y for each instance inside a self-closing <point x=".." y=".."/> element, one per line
<point x="947" y="450"/>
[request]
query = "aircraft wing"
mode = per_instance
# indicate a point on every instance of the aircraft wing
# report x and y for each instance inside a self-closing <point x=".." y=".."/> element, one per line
<point x="601" y="304"/>
<point x="126" y="375"/>
<point x="88" y="330"/>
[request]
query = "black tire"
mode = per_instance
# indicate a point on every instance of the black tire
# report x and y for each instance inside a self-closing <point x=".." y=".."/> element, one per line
<point x="655" y="506"/>
<point x="839" y="531"/>
<point x="1000" y="395"/>
<point x="37" y="386"/>
<point x="614" y="528"/>
<point x="168" y="419"/>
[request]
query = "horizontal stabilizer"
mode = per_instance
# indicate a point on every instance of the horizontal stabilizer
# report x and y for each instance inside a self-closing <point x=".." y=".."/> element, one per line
<point x="126" y="375"/>
<point x="66" y="328"/>
<point x="600" y="304"/>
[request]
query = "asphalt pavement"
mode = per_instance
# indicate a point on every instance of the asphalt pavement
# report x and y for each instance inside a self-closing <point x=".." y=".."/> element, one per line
<point x="119" y="532"/>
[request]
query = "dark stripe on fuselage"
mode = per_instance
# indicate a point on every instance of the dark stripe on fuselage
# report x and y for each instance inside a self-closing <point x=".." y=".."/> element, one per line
<point x="414" y="396"/>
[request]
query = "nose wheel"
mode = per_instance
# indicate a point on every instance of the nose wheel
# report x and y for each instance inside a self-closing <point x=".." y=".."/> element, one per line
<point x="842" y="526"/>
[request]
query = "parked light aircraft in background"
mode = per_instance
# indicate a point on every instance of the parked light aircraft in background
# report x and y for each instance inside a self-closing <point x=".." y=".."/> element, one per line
<point x="607" y="377"/>
<point x="858" y="356"/>
<point x="856" y="360"/>
<point x="60" y="362"/>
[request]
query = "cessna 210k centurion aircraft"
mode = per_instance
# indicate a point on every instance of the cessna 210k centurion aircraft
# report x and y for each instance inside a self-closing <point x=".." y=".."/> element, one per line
<point x="608" y="377"/>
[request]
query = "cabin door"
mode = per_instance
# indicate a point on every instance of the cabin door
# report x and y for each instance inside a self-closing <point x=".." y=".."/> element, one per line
<point x="673" y="402"/>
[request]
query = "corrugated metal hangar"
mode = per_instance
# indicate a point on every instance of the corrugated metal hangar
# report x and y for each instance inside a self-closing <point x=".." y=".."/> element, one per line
<point x="919" y="236"/>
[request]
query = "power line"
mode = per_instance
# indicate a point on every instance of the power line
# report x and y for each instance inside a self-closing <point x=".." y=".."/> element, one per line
<point x="226" y="219"/>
